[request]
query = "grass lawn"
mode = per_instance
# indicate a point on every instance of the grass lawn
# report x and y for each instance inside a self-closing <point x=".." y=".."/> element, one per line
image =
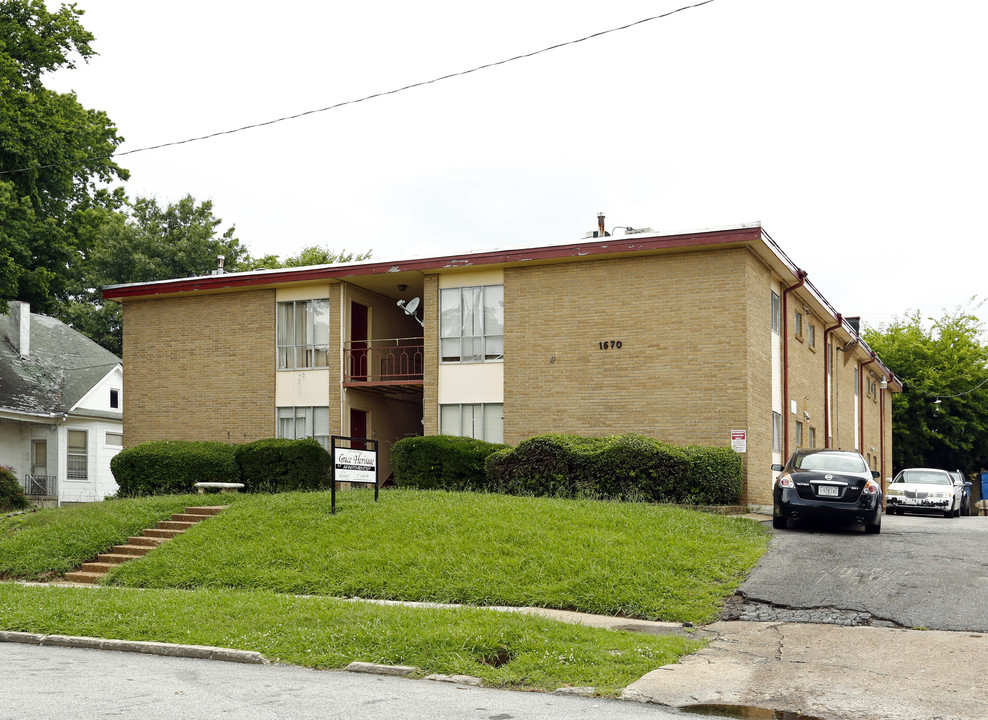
<point x="264" y="573"/>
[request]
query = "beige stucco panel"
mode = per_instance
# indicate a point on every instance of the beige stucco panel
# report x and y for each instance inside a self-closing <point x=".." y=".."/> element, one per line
<point x="302" y="388"/>
<point x="471" y="383"/>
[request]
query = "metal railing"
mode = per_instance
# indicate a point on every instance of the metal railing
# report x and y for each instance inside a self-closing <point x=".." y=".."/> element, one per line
<point x="390" y="360"/>
<point x="39" y="485"/>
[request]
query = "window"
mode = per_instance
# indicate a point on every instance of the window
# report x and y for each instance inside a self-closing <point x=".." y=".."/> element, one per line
<point x="296" y="423"/>
<point x="797" y="324"/>
<point x="114" y="398"/>
<point x="776" y="313"/>
<point x="303" y="334"/>
<point x="78" y="459"/>
<point x="776" y="432"/>
<point x="114" y="439"/>
<point x="811" y="335"/>
<point x="799" y="434"/>
<point x="812" y="442"/>
<point x="471" y="324"/>
<point x="483" y="422"/>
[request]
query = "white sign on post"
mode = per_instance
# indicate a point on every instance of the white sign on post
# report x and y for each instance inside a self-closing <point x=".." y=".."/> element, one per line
<point x="355" y="466"/>
<point x="739" y="441"/>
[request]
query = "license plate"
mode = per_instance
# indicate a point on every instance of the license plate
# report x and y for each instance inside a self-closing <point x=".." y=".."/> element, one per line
<point x="831" y="490"/>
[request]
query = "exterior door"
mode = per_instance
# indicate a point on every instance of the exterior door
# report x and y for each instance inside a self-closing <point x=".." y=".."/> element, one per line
<point x="358" y="427"/>
<point x="38" y="484"/>
<point x="358" y="342"/>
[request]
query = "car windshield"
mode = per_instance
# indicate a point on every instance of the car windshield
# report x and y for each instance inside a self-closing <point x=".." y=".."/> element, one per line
<point x="923" y="477"/>
<point x="830" y="462"/>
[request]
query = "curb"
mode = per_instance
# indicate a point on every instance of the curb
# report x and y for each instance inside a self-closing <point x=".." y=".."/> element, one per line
<point x="201" y="652"/>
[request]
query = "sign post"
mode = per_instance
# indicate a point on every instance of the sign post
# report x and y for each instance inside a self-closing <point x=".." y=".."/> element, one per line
<point x="353" y="465"/>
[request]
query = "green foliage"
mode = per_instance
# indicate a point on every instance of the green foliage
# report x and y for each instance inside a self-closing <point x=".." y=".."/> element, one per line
<point x="943" y="359"/>
<point x="327" y="633"/>
<point x="632" y="559"/>
<point x="59" y="152"/>
<point x="311" y="255"/>
<point x="281" y="465"/>
<point x="628" y="467"/>
<point x="55" y="540"/>
<point x="167" y="467"/>
<point x="441" y="462"/>
<point x="11" y="495"/>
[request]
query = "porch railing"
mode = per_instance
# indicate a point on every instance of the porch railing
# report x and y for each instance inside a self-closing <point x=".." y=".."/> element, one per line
<point x="375" y="361"/>
<point x="39" y="485"/>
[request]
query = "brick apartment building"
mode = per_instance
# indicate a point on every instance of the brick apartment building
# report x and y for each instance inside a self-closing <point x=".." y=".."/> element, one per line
<point x="683" y="337"/>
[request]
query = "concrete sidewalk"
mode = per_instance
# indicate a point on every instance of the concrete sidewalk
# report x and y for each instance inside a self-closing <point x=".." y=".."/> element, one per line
<point x="831" y="672"/>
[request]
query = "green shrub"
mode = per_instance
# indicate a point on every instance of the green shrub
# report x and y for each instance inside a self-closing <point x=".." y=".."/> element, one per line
<point x="281" y="465"/>
<point x="629" y="467"/>
<point x="441" y="462"/>
<point x="11" y="495"/>
<point x="625" y="467"/>
<point x="170" y="467"/>
<point x="715" y="476"/>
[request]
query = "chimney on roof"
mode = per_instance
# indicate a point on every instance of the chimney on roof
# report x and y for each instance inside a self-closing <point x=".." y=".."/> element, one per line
<point x="220" y="265"/>
<point x="20" y="335"/>
<point x="600" y="225"/>
<point x="855" y="323"/>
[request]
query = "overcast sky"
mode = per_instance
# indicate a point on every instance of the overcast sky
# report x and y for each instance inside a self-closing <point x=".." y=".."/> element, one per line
<point x="854" y="130"/>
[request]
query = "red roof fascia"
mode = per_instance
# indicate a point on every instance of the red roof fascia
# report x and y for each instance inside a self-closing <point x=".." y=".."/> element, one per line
<point x="600" y="247"/>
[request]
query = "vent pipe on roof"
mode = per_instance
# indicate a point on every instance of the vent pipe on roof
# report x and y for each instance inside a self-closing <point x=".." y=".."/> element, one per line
<point x="600" y="225"/>
<point x="220" y="262"/>
<point x="20" y="335"/>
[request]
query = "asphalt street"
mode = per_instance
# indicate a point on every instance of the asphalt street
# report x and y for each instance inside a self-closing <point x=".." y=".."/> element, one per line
<point x="922" y="571"/>
<point x="54" y="683"/>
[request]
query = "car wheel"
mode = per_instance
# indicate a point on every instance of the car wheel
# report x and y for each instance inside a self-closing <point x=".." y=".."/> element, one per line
<point x="948" y="514"/>
<point x="875" y="527"/>
<point x="966" y="510"/>
<point x="779" y="523"/>
<point x="957" y="512"/>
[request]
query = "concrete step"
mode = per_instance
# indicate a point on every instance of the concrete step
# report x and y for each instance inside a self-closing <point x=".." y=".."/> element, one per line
<point x="88" y="578"/>
<point x="188" y="517"/>
<point x="174" y="525"/>
<point x="161" y="534"/>
<point x="148" y="542"/>
<point x="135" y="550"/>
<point x="97" y="567"/>
<point x="208" y="510"/>
<point x="116" y="558"/>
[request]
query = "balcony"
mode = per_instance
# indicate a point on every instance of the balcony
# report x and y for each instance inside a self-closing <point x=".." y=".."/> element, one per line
<point x="394" y="364"/>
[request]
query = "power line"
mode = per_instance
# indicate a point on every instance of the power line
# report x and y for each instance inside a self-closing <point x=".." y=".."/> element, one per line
<point x="362" y="99"/>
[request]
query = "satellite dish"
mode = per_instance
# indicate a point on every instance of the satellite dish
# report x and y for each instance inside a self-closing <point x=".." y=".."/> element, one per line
<point x="410" y="307"/>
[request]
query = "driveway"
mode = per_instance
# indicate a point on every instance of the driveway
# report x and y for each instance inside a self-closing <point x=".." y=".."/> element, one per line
<point x="821" y="628"/>
<point x="922" y="571"/>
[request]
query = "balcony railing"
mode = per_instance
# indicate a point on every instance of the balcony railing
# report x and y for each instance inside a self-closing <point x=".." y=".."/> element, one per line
<point x="395" y="360"/>
<point x="39" y="485"/>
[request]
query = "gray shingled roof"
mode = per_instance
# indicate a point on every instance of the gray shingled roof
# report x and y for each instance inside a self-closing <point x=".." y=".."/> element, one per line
<point x="63" y="365"/>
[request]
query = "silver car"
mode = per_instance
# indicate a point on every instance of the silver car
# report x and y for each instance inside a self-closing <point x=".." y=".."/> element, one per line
<point x="924" y="490"/>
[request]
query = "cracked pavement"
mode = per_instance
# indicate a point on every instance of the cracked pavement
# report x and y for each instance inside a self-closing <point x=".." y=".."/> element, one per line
<point x="826" y="625"/>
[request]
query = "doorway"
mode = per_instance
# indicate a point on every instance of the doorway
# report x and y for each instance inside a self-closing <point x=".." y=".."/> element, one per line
<point x="358" y="342"/>
<point x="358" y="427"/>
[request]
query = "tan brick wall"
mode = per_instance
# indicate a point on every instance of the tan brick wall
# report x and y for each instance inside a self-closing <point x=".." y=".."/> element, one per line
<point x="200" y="368"/>
<point x="680" y="373"/>
<point x="430" y="378"/>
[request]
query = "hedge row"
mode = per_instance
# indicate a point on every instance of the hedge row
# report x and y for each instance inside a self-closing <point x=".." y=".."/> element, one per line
<point x="11" y="495"/>
<point x="174" y="466"/>
<point x="626" y="467"/>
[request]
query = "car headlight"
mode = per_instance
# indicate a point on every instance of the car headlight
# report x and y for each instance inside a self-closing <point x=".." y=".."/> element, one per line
<point x="940" y="495"/>
<point x="895" y="491"/>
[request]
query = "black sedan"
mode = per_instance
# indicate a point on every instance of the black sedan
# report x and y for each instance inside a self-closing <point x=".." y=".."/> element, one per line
<point x="831" y="485"/>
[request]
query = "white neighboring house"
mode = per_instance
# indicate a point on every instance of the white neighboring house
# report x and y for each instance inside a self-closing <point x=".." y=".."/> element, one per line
<point x="61" y="409"/>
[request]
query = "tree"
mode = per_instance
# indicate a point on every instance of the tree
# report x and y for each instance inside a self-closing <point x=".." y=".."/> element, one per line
<point x="55" y="155"/>
<point x="941" y="417"/>
<point x="311" y="255"/>
<point x="148" y="243"/>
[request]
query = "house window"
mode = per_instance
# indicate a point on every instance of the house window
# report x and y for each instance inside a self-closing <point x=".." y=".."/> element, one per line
<point x="776" y="313"/>
<point x="798" y="324"/>
<point x="114" y="439"/>
<point x="799" y="434"/>
<point x="812" y="442"/>
<point x="296" y="423"/>
<point x="303" y="334"/>
<point x="114" y="398"/>
<point x="811" y="335"/>
<point x="776" y="432"/>
<point x="483" y="422"/>
<point x="78" y="459"/>
<point x="471" y="324"/>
